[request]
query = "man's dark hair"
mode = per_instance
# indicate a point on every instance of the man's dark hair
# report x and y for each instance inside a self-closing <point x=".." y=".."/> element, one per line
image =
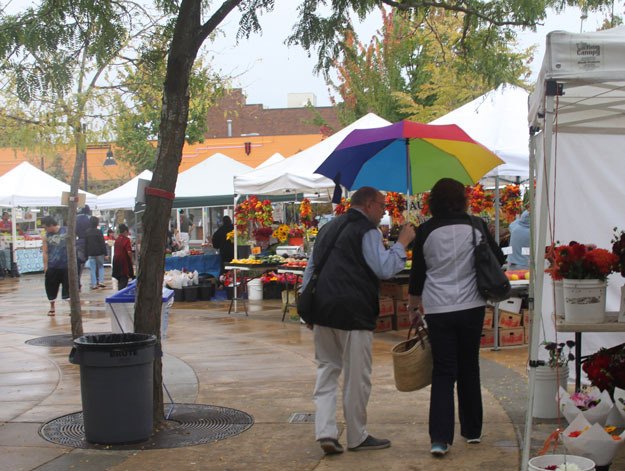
<point x="447" y="196"/>
<point x="48" y="221"/>
<point x="85" y="210"/>
<point x="226" y="220"/>
<point x="94" y="221"/>
<point x="363" y="195"/>
<point x="122" y="228"/>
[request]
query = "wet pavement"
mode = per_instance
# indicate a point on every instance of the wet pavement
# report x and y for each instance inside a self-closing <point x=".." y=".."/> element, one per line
<point x="256" y="364"/>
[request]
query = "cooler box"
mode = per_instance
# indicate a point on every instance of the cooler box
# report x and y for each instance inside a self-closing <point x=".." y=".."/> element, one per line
<point x="121" y="309"/>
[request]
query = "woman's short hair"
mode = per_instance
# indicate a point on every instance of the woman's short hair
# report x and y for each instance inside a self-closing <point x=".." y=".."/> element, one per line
<point x="447" y="196"/>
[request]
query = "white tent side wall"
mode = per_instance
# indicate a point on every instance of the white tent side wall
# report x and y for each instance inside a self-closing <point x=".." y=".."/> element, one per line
<point x="578" y="112"/>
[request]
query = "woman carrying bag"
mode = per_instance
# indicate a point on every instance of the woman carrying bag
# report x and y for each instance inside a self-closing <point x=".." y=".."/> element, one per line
<point x="443" y="287"/>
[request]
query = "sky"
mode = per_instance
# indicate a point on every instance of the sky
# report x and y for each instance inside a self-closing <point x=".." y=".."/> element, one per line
<point x="267" y="70"/>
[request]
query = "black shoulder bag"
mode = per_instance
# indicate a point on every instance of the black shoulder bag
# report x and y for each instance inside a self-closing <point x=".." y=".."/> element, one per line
<point x="492" y="282"/>
<point x="306" y="299"/>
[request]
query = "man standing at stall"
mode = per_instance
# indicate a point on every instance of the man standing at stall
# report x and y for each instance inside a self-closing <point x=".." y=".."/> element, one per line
<point x="346" y="307"/>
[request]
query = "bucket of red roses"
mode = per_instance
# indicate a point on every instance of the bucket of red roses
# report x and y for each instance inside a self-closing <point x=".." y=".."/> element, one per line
<point x="593" y="441"/>
<point x="593" y="404"/>
<point x="561" y="463"/>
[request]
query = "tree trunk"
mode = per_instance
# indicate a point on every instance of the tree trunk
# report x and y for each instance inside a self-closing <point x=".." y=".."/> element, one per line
<point x="172" y="131"/>
<point x="72" y="263"/>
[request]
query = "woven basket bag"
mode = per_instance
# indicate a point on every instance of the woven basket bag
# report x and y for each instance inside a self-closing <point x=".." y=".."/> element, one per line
<point x="412" y="360"/>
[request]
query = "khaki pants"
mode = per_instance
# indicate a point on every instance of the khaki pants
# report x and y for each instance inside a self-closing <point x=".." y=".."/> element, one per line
<point x="337" y="350"/>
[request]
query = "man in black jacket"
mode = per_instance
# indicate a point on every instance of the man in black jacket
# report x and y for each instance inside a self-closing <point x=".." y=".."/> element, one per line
<point x="346" y="308"/>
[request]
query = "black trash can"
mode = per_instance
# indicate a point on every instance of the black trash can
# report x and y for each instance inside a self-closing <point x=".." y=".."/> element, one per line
<point x="116" y="375"/>
<point x="190" y="293"/>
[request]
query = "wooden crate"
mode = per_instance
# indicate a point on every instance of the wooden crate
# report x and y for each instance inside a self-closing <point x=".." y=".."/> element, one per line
<point x="509" y="320"/>
<point x="510" y="337"/>
<point x="488" y="339"/>
<point x="387" y="306"/>
<point x="384" y="324"/>
<point x="401" y="321"/>
<point x="489" y="315"/>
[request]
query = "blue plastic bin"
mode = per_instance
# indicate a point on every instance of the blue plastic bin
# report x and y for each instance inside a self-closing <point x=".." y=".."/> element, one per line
<point x="121" y="309"/>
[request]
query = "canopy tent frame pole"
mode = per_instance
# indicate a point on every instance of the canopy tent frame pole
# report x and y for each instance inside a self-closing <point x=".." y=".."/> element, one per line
<point x="496" y="307"/>
<point x="538" y="235"/>
<point x="13" y="261"/>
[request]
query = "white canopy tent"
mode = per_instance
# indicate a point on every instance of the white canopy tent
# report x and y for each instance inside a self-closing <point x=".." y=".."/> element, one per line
<point x="124" y="196"/>
<point x="578" y="114"/>
<point x="296" y="173"/>
<point x="274" y="159"/>
<point x="27" y="186"/>
<point x="209" y="183"/>
<point x="497" y="120"/>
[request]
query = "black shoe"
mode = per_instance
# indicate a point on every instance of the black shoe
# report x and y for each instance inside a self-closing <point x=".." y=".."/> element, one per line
<point x="372" y="443"/>
<point x="331" y="446"/>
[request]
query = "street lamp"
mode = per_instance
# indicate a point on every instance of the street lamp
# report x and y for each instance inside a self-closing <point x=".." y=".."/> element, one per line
<point x="110" y="160"/>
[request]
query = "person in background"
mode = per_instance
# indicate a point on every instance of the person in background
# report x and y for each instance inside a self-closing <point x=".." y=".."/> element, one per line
<point x="220" y="241"/>
<point x="110" y="242"/>
<point x="185" y="224"/>
<point x="5" y="222"/>
<point x="122" y="258"/>
<point x="519" y="239"/>
<point x="443" y="288"/>
<point x="346" y="310"/>
<point x="82" y="224"/>
<point x="96" y="250"/>
<point x="54" y="250"/>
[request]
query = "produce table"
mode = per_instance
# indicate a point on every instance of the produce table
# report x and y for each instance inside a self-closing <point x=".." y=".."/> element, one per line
<point x="611" y="324"/>
<point x="206" y="263"/>
<point x="252" y="271"/>
<point x="288" y="288"/>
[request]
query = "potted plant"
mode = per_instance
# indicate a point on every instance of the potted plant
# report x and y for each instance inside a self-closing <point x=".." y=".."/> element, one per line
<point x="584" y="269"/>
<point x="550" y="377"/>
<point x="296" y="235"/>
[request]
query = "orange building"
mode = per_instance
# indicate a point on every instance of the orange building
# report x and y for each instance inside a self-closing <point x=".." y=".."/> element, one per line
<point x="247" y="133"/>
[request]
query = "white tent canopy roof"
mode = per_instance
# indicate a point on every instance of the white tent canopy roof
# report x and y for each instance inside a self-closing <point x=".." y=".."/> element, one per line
<point x="498" y="121"/>
<point x="26" y="185"/>
<point x="211" y="177"/>
<point x="123" y="197"/>
<point x="274" y="159"/>
<point x="589" y="67"/>
<point x="296" y="174"/>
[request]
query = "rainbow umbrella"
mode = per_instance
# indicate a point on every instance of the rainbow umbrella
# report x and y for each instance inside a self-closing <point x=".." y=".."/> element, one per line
<point x="407" y="157"/>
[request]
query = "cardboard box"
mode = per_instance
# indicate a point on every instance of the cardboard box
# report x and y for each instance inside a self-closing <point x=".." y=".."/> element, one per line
<point x="387" y="306"/>
<point x="526" y="333"/>
<point x="488" y="339"/>
<point x="526" y="316"/>
<point x="394" y="290"/>
<point x="511" y="305"/>
<point x="489" y="315"/>
<point x="383" y="324"/>
<point x="509" y="320"/>
<point x="401" y="321"/>
<point x="509" y="337"/>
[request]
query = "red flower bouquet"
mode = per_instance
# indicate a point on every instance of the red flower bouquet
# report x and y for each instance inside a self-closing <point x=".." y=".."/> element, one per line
<point x="580" y="262"/>
<point x="606" y="368"/>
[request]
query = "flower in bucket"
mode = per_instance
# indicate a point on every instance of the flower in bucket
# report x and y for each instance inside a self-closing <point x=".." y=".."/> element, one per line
<point x="618" y="249"/>
<point x="262" y="233"/>
<point x="580" y="262"/>
<point x="296" y="231"/>
<point x="593" y="404"/>
<point x="558" y="357"/>
<point x="598" y="442"/>
<point x="281" y="233"/>
<point x="305" y="212"/>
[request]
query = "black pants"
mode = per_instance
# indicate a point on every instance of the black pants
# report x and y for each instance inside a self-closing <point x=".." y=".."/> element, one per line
<point x="54" y="278"/>
<point x="455" y="339"/>
<point x="122" y="282"/>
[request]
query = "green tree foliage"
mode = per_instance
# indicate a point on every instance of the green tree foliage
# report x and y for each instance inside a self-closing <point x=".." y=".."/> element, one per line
<point x="138" y="102"/>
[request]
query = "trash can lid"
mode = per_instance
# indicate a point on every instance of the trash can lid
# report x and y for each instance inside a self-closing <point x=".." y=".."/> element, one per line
<point x="129" y="294"/>
<point x="108" y="340"/>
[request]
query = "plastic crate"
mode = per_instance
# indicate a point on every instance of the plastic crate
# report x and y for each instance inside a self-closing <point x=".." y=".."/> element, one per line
<point x="121" y="309"/>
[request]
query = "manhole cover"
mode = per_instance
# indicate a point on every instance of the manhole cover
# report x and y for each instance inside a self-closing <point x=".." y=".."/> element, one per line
<point x="189" y="424"/>
<point x="302" y="418"/>
<point x="61" y="340"/>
